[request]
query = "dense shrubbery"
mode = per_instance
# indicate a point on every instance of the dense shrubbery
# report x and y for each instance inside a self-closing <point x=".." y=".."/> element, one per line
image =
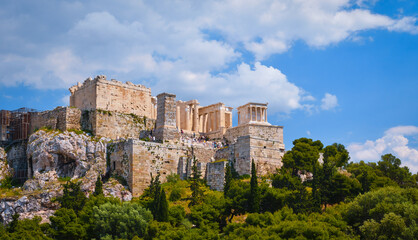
<point x="342" y="201"/>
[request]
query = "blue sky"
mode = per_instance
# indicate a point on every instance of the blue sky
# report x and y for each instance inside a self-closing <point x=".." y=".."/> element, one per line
<point x="335" y="70"/>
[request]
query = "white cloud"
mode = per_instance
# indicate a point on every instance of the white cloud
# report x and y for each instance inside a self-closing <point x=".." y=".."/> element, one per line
<point x="148" y="42"/>
<point x="66" y="100"/>
<point x="394" y="141"/>
<point x="329" y="102"/>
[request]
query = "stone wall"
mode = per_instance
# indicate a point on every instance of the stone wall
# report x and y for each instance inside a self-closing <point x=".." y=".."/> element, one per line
<point x="101" y="123"/>
<point x="115" y="125"/>
<point x="165" y="126"/>
<point x="263" y="143"/>
<point x="135" y="160"/>
<point x="215" y="175"/>
<point x="62" y="118"/>
<point x="115" y="96"/>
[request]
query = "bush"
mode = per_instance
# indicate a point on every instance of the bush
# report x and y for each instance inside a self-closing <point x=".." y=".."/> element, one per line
<point x="175" y="194"/>
<point x="121" y="220"/>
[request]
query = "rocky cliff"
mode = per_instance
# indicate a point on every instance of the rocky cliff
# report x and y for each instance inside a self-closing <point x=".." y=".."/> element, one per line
<point x="4" y="167"/>
<point x="55" y="157"/>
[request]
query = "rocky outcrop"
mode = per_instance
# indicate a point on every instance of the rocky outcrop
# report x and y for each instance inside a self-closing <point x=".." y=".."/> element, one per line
<point x="53" y="158"/>
<point x="4" y="167"/>
<point x="115" y="189"/>
<point x="28" y="206"/>
<point x="68" y="154"/>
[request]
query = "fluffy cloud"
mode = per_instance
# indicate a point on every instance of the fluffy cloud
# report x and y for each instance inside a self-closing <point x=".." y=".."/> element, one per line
<point x="194" y="49"/>
<point x="394" y="141"/>
<point x="329" y="102"/>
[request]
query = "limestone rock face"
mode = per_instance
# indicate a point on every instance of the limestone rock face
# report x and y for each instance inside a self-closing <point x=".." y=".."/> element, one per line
<point x="115" y="189"/>
<point x="29" y="206"/>
<point x="4" y="167"/>
<point x="53" y="155"/>
<point x="68" y="154"/>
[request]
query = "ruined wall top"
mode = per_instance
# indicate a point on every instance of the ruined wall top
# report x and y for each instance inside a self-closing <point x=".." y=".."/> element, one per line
<point x="101" y="79"/>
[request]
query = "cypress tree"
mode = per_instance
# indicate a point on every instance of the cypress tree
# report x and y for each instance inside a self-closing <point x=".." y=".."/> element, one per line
<point x="228" y="179"/>
<point x="254" y="201"/>
<point x="162" y="213"/>
<point x="99" y="187"/>
<point x="156" y="191"/>
<point x="197" y="192"/>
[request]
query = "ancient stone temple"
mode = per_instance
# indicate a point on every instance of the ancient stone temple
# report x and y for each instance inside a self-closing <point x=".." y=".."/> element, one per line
<point x="252" y="113"/>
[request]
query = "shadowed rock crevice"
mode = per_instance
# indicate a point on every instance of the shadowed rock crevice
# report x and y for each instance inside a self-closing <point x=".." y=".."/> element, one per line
<point x="66" y="166"/>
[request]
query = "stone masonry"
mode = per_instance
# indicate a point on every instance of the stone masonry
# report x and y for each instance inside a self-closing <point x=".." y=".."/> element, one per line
<point x="165" y="126"/>
<point x="115" y="96"/>
<point x="136" y="160"/>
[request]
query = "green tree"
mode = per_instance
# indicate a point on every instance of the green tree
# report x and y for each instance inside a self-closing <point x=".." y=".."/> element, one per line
<point x="124" y="220"/>
<point x="86" y="215"/>
<point x="284" y="179"/>
<point x="334" y="156"/>
<point x="66" y="225"/>
<point x="73" y="197"/>
<point x="25" y="229"/>
<point x="304" y="153"/>
<point x="195" y="184"/>
<point x="228" y="178"/>
<point x="390" y="167"/>
<point x="162" y="210"/>
<point x="99" y="186"/>
<point x="175" y="194"/>
<point x="390" y="213"/>
<point x="254" y="201"/>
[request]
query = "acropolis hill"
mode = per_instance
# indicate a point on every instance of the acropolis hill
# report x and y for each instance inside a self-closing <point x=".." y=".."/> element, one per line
<point x="156" y="134"/>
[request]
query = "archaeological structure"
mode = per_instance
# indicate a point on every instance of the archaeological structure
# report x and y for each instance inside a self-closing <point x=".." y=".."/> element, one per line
<point x="149" y="135"/>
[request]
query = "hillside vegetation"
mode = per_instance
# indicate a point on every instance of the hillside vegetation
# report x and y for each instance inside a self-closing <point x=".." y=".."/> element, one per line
<point x="336" y="200"/>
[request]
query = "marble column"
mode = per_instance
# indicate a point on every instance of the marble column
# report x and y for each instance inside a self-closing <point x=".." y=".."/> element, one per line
<point x="178" y="117"/>
<point x="187" y="118"/>
<point x="195" y="118"/>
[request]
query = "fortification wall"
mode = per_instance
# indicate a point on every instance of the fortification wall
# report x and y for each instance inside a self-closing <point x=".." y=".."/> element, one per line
<point x="83" y="96"/>
<point x="115" y="125"/>
<point x="215" y="175"/>
<point x="115" y="96"/>
<point x="62" y="118"/>
<point x="135" y="160"/>
<point x="269" y="132"/>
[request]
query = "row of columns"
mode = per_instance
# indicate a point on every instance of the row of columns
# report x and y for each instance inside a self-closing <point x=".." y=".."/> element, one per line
<point x="191" y="118"/>
<point x="258" y="114"/>
<point x="209" y="121"/>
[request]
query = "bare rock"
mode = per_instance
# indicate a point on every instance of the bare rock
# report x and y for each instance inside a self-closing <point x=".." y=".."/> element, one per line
<point x="4" y="167"/>
<point x="115" y="189"/>
<point x="68" y="154"/>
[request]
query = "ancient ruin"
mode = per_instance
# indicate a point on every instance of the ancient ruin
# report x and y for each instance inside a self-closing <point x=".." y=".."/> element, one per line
<point x="151" y="135"/>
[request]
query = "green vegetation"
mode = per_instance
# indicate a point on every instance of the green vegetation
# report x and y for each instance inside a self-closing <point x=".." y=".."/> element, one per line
<point x="104" y="112"/>
<point x="341" y="200"/>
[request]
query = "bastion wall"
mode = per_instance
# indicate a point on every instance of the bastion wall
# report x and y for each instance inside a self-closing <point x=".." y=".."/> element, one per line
<point x="136" y="160"/>
<point x="113" y="95"/>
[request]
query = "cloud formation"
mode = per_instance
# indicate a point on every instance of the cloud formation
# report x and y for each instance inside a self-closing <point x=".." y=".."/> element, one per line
<point x="194" y="49"/>
<point x="394" y="141"/>
<point x="329" y="102"/>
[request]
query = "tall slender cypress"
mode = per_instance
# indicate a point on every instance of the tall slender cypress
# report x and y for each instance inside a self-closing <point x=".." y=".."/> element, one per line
<point x="197" y="192"/>
<point x="254" y="201"/>
<point x="99" y="186"/>
<point x="228" y="178"/>
<point x="162" y="212"/>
